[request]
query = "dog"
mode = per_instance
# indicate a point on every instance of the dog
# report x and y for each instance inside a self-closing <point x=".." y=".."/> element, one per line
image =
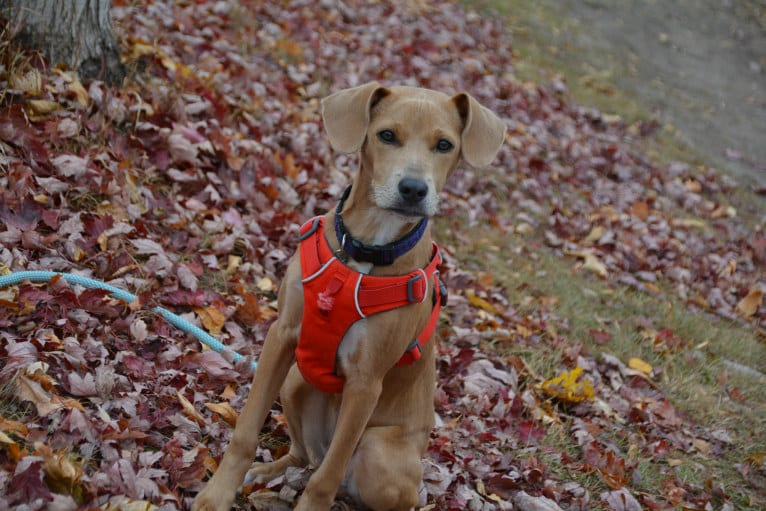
<point x="351" y="348"/>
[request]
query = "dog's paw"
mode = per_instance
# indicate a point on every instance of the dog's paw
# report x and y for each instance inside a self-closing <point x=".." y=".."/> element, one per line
<point x="264" y="472"/>
<point x="211" y="500"/>
<point x="259" y="473"/>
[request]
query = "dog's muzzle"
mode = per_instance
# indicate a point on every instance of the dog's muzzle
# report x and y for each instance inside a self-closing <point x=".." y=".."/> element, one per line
<point x="412" y="199"/>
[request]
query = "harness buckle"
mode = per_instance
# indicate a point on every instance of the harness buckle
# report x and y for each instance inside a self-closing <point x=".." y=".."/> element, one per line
<point x="311" y="230"/>
<point x="411" y="289"/>
<point x="443" y="293"/>
<point x="414" y="350"/>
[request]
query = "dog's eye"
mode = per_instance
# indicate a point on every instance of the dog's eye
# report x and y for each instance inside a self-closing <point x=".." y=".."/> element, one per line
<point x="387" y="137"/>
<point x="444" y="146"/>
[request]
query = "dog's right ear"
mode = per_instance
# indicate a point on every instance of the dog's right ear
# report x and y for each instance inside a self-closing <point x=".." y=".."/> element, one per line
<point x="346" y="115"/>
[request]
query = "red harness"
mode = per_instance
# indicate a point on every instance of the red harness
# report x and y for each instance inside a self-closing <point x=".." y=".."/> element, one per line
<point x="335" y="296"/>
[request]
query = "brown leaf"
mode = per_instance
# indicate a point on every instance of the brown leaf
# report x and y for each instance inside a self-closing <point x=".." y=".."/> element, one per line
<point x="600" y="336"/>
<point x="61" y="475"/>
<point x="226" y="412"/>
<point x="27" y="389"/>
<point x="212" y="318"/>
<point x="189" y="409"/>
<point x="640" y="209"/>
<point x="750" y="304"/>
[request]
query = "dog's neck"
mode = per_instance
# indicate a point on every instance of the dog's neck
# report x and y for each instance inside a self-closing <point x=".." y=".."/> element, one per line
<point x="373" y="226"/>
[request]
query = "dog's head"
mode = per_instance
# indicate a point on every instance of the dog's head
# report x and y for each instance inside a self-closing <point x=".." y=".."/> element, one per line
<point x="410" y="140"/>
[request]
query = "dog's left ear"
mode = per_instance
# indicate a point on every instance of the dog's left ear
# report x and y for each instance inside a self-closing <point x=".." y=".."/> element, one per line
<point x="346" y="115"/>
<point x="483" y="131"/>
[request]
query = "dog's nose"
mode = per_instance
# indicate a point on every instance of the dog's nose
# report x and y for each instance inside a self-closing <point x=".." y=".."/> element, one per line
<point x="413" y="190"/>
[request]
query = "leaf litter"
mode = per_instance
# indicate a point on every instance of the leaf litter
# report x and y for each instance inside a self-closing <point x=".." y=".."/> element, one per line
<point x="187" y="186"/>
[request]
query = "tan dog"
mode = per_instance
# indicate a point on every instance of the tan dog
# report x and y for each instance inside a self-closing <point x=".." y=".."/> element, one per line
<point x="373" y="434"/>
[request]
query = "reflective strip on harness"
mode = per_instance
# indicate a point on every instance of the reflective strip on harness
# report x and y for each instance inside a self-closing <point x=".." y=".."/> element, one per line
<point x="335" y="296"/>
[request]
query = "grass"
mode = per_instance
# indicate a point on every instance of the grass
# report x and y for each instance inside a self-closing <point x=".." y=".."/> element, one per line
<point x="702" y="379"/>
<point x="695" y="377"/>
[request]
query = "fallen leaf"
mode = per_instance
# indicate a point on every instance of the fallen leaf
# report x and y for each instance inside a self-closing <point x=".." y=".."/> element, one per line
<point x="591" y="263"/>
<point x="212" y="318"/>
<point x="61" y="475"/>
<point x="640" y="209"/>
<point x="124" y="504"/>
<point x="595" y="234"/>
<point x="640" y="365"/>
<point x="189" y="409"/>
<point x="138" y="330"/>
<point x="621" y="500"/>
<point x="479" y="302"/>
<point x="522" y="501"/>
<point x="226" y="412"/>
<point x="750" y="304"/>
<point x="27" y="389"/>
<point x="43" y="106"/>
<point x="28" y="83"/>
<point x="600" y="336"/>
<point x="569" y="387"/>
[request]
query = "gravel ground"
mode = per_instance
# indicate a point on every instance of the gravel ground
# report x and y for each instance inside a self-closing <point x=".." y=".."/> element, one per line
<point x="700" y="65"/>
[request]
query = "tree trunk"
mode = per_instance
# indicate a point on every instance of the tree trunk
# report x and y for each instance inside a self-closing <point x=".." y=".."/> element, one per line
<point x="77" y="33"/>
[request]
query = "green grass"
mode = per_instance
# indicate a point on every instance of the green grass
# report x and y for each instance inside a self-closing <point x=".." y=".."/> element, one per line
<point x="695" y="378"/>
<point x="698" y="379"/>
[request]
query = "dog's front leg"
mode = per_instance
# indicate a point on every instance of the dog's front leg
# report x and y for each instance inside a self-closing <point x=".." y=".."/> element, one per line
<point x="358" y="402"/>
<point x="275" y="361"/>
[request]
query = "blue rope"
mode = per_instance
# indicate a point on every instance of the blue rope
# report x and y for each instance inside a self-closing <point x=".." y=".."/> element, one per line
<point x="174" y="319"/>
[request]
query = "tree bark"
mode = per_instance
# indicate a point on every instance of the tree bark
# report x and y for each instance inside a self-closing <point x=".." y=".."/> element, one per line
<point x="77" y="33"/>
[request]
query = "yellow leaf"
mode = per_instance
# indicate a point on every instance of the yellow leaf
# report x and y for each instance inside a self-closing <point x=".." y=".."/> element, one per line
<point x="590" y="262"/>
<point x="690" y="222"/>
<point x="479" y="302"/>
<point x="524" y="331"/>
<point x="129" y="505"/>
<point x="569" y="387"/>
<point x="229" y="392"/>
<point x="79" y="92"/>
<point x="593" y="264"/>
<point x="266" y="285"/>
<point x="757" y="458"/>
<point x="595" y="234"/>
<point x="226" y="412"/>
<point x="639" y="365"/>
<point x="42" y="106"/>
<point x="212" y="318"/>
<point x="652" y="288"/>
<point x="702" y="446"/>
<point x="30" y="83"/>
<point x="750" y="304"/>
<point x="141" y="49"/>
<point x="5" y="439"/>
<point x="61" y="475"/>
<point x="189" y="409"/>
<point x="234" y="262"/>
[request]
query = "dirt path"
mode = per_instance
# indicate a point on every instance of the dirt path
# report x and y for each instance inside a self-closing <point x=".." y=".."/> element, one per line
<point x="700" y="65"/>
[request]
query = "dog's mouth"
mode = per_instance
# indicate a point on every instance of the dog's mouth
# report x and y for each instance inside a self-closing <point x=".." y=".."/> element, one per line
<point x="410" y="212"/>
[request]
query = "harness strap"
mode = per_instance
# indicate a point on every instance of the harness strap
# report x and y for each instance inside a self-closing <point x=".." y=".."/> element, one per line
<point x="376" y="294"/>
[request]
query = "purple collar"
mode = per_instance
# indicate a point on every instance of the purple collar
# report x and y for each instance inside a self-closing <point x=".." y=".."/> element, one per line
<point x="379" y="255"/>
